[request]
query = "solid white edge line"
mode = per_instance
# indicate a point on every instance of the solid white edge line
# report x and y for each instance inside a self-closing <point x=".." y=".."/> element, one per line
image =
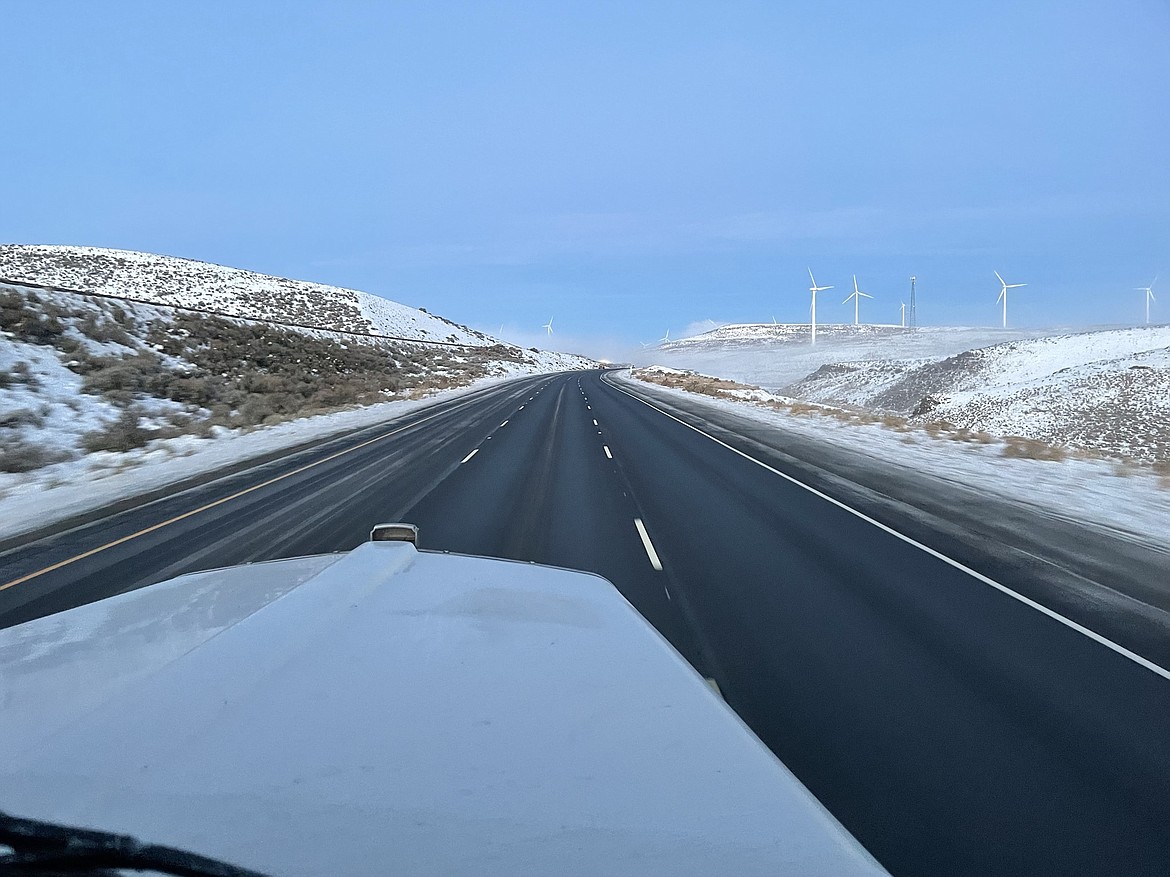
<point x="607" y="453"/>
<point x="648" y="545"/>
<point x="1027" y="601"/>
<point x="469" y="456"/>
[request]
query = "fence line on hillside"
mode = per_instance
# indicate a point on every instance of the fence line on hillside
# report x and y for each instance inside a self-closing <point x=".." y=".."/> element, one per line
<point x="143" y="301"/>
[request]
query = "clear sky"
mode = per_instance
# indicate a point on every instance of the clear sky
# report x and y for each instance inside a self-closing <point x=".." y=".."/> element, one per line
<point x="625" y="167"/>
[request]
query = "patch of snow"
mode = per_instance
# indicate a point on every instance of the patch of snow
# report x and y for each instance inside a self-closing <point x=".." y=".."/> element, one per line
<point x="48" y="408"/>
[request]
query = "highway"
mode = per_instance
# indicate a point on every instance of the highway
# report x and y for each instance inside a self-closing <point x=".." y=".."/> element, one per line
<point x="953" y="723"/>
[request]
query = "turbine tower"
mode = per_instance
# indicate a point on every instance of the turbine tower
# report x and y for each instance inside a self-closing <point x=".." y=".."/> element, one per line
<point x="548" y="327"/>
<point x="1149" y="291"/>
<point x="1003" y="295"/>
<point x="814" y="289"/>
<point x="856" y="295"/>
<point x="913" y="304"/>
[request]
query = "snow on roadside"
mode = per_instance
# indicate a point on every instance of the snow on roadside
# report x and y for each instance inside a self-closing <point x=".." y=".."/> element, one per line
<point x="1104" y="493"/>
<point x="30" y="500"/>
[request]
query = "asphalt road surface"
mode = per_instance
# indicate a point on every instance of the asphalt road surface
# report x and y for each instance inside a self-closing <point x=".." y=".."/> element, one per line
<point x="951" y="723"/>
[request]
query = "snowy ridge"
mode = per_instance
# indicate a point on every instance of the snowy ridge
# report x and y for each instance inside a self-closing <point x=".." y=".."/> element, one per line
<point x="775" y="355"/>
<point x="232" y="291"/>
<point x="1107" y="390"/>
<point x="752" y="333"/>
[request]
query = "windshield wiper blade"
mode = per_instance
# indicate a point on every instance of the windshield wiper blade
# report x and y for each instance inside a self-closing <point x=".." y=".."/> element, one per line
<point x="41" y="848"/>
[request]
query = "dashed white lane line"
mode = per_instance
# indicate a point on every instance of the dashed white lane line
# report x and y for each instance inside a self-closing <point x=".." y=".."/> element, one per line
<point x="595" y="423"/>
<point x="505" y="423"/>
<point x="648" y="545"/>
<point x="587" y="408"/>
<point x="469" y="456"/>
<point x="607" y="453"/>
<point x="978" y="576"/>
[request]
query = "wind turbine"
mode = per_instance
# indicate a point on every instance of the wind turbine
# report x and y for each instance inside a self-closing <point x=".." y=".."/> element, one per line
<point x="1003" y="295"/>
<point x="548" y="326"/>
<point x="1149" y="291"/>
<point x="814" y="289"/>
<point x="857" y="295"/>
<point x="665" y="339"/>
<point x="903" y="315"/>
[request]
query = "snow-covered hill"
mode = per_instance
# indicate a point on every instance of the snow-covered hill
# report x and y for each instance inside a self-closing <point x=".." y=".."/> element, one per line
<point x="774" y="355"/>
<point x="1107" y="390"/>
<point x="231" y="291"/>
<point x="84" y="378"/>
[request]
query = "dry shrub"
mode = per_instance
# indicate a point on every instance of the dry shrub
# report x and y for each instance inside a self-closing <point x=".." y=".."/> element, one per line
<point x="803" y="408"/>
<point x="121" y="435"/>
<point x="692" y="383"/>
<point x="1123" y="469"/>
<point x="21" y="417"/>
<point x="1030" y="449"/>
<point x="30" y="320"/>
<point x="17" y="455"/>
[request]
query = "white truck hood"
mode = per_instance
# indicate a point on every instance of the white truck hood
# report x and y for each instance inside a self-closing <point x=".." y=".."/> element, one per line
<point x="390" y="711"/>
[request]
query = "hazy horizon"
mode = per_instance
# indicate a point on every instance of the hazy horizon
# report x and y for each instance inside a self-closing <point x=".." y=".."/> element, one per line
<point x="624" y="169"/>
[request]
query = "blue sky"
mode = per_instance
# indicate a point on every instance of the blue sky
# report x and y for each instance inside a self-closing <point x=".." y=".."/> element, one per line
<point x="627" y="167"/>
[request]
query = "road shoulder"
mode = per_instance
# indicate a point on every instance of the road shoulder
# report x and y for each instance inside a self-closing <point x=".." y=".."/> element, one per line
<point x="1078" y="566"/>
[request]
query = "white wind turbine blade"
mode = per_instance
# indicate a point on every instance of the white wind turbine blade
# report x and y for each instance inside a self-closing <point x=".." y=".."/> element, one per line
<point x="1001" y="280"/>
<point x="814" y="287"/>
<point x="1002" y="293"/>
<point x="1014" y="285"/>
<point x="864" y="294"/>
